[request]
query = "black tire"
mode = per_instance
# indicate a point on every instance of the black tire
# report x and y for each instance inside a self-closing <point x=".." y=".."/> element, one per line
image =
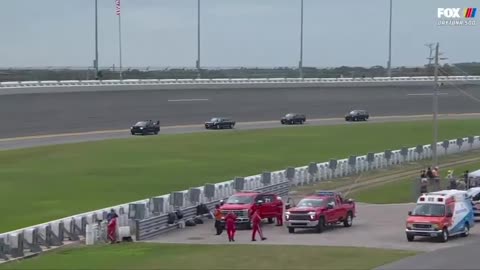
<point x="410" y="237"/>
<point x="321" y="225"/>
<point x="348" y="220"/>
<point x="248" y="225"/>
<point x="133" y="133"/>
<point x="156" y="132"/>
<point x="291" y="230"/>
<point x="467" y="231"/>
<point x="444" y="236"/>
<point x="270" y="220"/>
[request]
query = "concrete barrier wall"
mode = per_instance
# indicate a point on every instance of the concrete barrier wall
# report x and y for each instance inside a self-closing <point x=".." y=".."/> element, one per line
<point x="172" y="84"/>
<point x="73" y="228"/>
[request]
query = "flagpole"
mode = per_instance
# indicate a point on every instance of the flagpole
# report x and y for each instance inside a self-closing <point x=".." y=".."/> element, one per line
<point x="119" y="37"/>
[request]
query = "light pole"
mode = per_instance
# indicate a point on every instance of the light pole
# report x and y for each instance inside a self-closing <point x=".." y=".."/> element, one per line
<point x="389" y="64"/>
<point x="96" y="39"/>
<point x="300" y="63"/>
<point x="198" y="39"/>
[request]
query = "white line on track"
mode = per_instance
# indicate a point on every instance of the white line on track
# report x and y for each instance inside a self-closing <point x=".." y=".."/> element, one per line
<point x="427" y="94"/>
<point x="188" y="100"/>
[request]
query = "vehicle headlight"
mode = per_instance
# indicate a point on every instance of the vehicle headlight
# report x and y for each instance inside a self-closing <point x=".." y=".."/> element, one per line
<point x="312" y="215"/>
<point x="435" y="226"/>
<point x="409" y="225"/>
<point x="287" y="213"/>
<point x="141" y="127"/>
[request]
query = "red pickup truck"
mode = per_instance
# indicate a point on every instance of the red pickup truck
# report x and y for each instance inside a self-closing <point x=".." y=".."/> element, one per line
<point x="322" y="209"/>
<point x="244" y="203"/>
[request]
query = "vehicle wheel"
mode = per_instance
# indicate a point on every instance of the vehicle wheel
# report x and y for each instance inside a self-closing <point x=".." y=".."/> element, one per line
<point x="270" y="220"/>
<point x="349" y="220"/>
<point x="291" y="230"/>
<point x="248" y="226"/>
<point x="321" y="225"/>
<point x="410" y="237"/>
<point x="444" y="237"/>
<point x="156" y="132"/>
<point x="133" y="133"/>
<point x="466" y="231"/>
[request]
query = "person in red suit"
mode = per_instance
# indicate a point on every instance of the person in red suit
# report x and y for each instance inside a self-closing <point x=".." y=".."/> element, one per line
<point x="112" y="229"/>
<point x="231" y="227"/>
<point x="256" y="222"/>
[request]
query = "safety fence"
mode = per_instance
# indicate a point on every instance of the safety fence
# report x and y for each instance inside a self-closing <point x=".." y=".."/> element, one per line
<point x="149" y="217"/>
<point x="259" y="81"/>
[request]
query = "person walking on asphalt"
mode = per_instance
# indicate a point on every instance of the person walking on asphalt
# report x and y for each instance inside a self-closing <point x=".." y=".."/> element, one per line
<point x="256" y="221"/>
<point x="218" y="219"/>
<point x="231" y="227"/>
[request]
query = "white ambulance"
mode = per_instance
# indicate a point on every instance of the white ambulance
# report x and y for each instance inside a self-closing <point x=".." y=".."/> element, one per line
<point x="441" y="214"/>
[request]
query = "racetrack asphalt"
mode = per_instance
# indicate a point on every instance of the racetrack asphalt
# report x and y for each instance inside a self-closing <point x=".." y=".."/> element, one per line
<point x="40" y="114"/>
<point x="42" y="140"/>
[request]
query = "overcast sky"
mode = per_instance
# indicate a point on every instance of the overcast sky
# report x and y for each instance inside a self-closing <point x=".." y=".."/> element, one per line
<point x="234" y="32"/>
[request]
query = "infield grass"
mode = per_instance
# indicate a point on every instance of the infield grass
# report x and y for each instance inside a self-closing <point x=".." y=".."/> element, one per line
<point x="206" y="257"/>
<point x="401" y="191"/>
<point x="45" y="183"/>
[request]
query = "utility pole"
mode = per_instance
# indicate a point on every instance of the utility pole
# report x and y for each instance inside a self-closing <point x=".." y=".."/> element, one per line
<point x="435" y="110"/>
<point x="435" y="106"/>
<point x="96" y="39"/>
<point x="198" y="40"/>
<point x="430" y="56"/>
<point x="300" y="63"/>
<point x="389" y="64"/>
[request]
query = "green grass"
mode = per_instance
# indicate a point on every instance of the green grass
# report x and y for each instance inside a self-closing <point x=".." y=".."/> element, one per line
<point x="400" y="191"/>
<point x="206" y="257"/>
<point x="52" y="182"/>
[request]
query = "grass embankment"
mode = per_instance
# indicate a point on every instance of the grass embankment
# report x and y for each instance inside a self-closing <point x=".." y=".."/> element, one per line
<point x="52" y="182"/>
<point x="172" y="256"/>
<point x="401" y="190"/>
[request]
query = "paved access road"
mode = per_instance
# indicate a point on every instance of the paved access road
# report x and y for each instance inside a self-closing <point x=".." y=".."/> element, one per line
<point x="38" y="114"/>
<point x="376" y="226"/>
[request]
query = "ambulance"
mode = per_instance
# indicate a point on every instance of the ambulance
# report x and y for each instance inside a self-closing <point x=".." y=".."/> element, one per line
<point x="441" y="214"/>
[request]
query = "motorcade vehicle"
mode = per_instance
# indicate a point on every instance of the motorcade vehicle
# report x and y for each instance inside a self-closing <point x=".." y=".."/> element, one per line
<point x="322" y="209"/>
<point x="244" y="203"/>
<point x="441" y="215"/>
<point x="293" y="118"/>
<point x="357" y="115"/>
<point x="220" y="123"/>
<point x="145" y="127"/>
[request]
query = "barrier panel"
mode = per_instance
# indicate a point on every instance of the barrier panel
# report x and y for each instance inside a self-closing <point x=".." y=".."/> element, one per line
<point x="149" y="217"/>
<point x="200" y="82"/>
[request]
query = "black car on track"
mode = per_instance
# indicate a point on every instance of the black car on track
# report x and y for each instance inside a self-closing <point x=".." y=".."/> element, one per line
<point x="357" y="115"/>
<point x="293" y="118"/>
<point x="219" y="123"/>
<point x="145" y="127"/>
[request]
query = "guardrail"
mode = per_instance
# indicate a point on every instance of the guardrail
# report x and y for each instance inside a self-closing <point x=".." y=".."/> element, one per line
<point x="130" y="82"/>
<point x="147" y="217"/>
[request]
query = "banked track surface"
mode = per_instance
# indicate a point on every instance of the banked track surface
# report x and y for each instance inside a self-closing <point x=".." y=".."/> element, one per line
<point x="39" y="114"/>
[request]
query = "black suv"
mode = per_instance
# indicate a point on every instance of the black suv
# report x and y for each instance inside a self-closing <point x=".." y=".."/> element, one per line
<point x="293" y="118"/>
<point x="145" y="127"/>
<point x="357" y="115"/>
<point x="219" y="123"/>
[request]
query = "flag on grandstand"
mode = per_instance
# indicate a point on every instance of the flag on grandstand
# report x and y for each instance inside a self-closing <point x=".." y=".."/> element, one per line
<point x="117" y="5"/>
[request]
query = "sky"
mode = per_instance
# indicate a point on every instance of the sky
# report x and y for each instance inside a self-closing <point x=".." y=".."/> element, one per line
<point x="251" y="33"/>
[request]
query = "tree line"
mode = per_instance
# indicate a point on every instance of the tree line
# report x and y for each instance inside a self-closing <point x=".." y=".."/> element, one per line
<point x="459" y="69"/>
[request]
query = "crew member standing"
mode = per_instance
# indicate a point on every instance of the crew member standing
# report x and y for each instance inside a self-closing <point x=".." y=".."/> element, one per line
<point x="112" y="229"/>
<point x="218" y="219"/>
<point x="280" y="215"/>
<point x="256" y="222"/>
<point x="230" y="224"/>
